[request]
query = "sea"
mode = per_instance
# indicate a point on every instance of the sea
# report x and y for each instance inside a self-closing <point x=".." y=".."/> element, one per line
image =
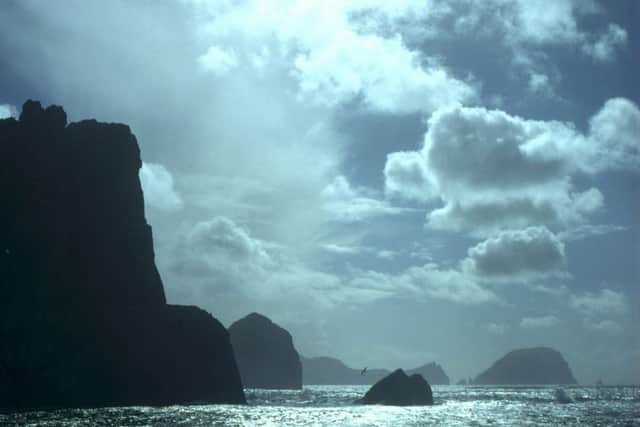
<point x="334" y="406"/>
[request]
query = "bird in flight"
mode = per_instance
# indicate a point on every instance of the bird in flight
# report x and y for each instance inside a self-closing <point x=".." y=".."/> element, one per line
<point x="363" y="371"/>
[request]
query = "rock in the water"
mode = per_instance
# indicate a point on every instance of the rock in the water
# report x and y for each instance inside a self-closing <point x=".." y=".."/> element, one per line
<point x="540" y="365"/>
<point x="400" y="389"/>
<point x="432" y="372"/>
<point x="265" y="354"/>
<point x="83" y="316"/>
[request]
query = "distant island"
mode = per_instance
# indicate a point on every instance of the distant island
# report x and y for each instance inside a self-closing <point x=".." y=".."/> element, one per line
<point x="534" y="366"/>
<point x="332" y="371"/>
<point x="265" y="354"/>
<point x="83" y="316"/>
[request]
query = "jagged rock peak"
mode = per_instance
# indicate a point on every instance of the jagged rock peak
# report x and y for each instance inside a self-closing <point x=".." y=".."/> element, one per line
<point x="54" y="117"/>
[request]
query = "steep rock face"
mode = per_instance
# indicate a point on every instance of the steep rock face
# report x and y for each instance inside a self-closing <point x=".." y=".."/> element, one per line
<point x="432" y="372"/>
<point x="540" y="365"/>
<point x="265" y="354"/>
<point x="83" y="314"/>
<point x="330" y="371"/>
<point x="400" y="389"/>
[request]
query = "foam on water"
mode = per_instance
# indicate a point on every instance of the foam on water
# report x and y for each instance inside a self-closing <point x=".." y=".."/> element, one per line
<point x="333" y="406"/>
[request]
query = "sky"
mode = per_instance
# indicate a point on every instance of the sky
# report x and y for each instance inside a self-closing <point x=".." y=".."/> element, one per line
<point x="393" y="182"/>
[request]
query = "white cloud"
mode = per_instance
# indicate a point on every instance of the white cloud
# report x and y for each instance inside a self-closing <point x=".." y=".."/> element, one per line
<point x="333" y="61"/>
<point x="344" y="203"/>
<point x="342" y="250"/>
<point x="8" y="110"/>
<point x="220" y="259"/>
<point x="387" y="75"/>
<point x="450" y="285"/>
<point x="535" y="23"/>
<point x="540" y="84"/>
<point x="539" y="322"/>
<point x="614" y="133"/>
<point x="606" y="302"/>
<point x="543" y="22"/>
<point x="159" y="191"/>
<point x="386" y="254"/>
<point x="584" y="231"/>
<point x="218" y="60"/>
<point x="221" y="236"/>
<point x="494" y="171"/>
<point x="431" y="281"/>
<point x="604" y="47"/>
<point x="527" y="253"/>
<point x="406" y="176"/>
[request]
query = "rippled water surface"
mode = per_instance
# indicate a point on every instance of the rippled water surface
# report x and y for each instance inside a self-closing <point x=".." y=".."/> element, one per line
<point x="332" y="406"/>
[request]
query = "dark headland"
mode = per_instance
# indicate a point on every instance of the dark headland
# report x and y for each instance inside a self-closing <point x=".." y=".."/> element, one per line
<point x="265" y="354"/>
<point x="83" y="316"/>
<point x="534" y="366"/>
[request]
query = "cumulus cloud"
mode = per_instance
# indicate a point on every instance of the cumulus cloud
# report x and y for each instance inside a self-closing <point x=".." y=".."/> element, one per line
<point x="219" y="258"/>
<point x="495" y="171"/>
<point x="606" y="302"/>
<point x="159" y="191"/>
<point x="334" y="61"/>
<point x="615" y="137"/>
<point x="531" y="252"/>
<point x="539" y="322"/>
<point x="406" y="176"/>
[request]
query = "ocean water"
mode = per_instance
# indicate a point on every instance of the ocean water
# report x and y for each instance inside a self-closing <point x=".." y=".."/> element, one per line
<point x="333" y="406"/>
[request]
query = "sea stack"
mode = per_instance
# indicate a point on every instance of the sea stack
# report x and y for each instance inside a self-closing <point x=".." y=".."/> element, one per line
<point x="265" y="354"/>
<point x="83" y="316"/>
<point x="535" y="366"/>
<point x="399" y="389"/>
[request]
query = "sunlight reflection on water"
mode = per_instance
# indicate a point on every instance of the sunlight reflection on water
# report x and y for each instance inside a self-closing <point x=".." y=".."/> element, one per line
<point x="333" y="406"/>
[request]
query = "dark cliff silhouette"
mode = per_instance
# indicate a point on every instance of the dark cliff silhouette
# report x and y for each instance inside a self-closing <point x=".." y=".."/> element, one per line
<point x="83" y="316"/>
<point x="540" y="365"/>
<point x="400" y="389"/>
<point x="328" y="370"/>
<point x="265" y="354"/>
